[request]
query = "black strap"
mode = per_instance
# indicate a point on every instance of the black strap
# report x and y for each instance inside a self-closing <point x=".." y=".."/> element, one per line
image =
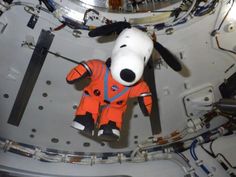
<point x="149" y="77"/>
<point x="30" y="78"/>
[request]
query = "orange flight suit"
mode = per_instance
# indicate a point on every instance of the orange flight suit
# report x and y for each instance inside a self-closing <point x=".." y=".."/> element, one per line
<point x="104" y="91"/>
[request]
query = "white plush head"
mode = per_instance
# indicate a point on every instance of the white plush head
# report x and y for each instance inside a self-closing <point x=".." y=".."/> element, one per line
<point x="130" y="54"/>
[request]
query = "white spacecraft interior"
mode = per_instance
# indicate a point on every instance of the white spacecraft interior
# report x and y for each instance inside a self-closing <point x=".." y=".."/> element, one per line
<point x="191" y="129"/>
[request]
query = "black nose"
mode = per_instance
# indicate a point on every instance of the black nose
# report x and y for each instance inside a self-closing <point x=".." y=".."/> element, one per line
<point x="127" y="75"/>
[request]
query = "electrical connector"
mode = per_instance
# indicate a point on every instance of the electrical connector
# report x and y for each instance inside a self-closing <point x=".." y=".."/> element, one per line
<point x="194" y="125"/>
<point x="200" y="139"/>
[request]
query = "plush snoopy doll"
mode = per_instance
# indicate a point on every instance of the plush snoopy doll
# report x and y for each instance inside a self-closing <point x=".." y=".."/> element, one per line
<point x="115" y="81"/>
<point x="112" y="83"/>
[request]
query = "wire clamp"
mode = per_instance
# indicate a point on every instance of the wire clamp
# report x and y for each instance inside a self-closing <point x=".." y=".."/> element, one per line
<point x="7" y="145"/>
<point x="199" y="162"/>
<point x="190" y="170"/>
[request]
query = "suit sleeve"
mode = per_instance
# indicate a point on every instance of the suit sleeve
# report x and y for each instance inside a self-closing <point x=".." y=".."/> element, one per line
<point x="80" y="71"/>
<point x="144" y="95"/>
<point x="145" y="103"/>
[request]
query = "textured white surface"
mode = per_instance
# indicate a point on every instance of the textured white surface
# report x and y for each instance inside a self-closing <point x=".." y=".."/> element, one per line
<point x="204" y="65"/>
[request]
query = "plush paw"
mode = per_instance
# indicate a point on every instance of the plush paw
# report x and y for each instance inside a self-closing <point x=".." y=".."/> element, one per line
<point x="109" y="132"/>
<point x="84" y="123"/>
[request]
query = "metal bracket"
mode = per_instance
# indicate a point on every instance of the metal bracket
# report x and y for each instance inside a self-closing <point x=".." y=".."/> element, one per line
<point x="32" y="22"/>
<point x="199" y="102"/>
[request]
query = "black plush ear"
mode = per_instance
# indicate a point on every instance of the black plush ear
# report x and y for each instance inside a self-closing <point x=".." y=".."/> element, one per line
<point x="109" y="29"/>
<point x="169" y="58"/>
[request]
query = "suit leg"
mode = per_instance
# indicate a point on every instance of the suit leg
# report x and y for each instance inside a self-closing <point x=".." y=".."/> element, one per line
<point x="86" y="115"/>
<point x="110" y="123"/>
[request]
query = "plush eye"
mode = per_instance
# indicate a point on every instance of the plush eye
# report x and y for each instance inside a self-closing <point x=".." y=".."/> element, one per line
<point x="144" y="59"/>
<point x="123" y="46"/>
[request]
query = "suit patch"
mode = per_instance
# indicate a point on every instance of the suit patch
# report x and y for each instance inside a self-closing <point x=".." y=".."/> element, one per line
<point x="114" y="88"/>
